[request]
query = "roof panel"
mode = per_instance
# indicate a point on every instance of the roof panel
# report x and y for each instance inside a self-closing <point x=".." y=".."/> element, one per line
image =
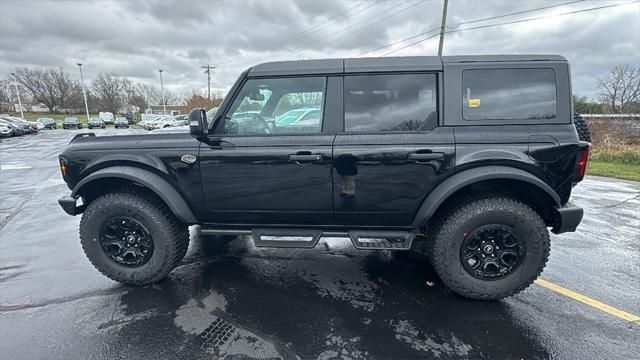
<point x="500" y="58"/>
<point x="381" y="64"/>
<point x="298" y="67"/>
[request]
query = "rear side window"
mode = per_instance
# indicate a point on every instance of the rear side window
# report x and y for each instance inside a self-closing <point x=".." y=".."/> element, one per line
<point x="401" y="102"/>
<point x="508" y="94"/>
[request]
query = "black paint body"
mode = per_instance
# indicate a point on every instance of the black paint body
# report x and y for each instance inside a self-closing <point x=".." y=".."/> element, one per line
<point x="251" y="180"/>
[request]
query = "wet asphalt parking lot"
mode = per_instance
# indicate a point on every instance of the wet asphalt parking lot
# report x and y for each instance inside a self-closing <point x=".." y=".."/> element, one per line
<point x="230" y="300"/>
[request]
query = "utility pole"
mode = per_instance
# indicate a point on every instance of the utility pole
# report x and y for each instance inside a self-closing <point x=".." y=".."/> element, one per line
<point x="84" y="93"/>
<point x="164" y="104"/>
<point x="444" y="22"/>
<point x="15" y="84"/>
<point x="207" y="69"/>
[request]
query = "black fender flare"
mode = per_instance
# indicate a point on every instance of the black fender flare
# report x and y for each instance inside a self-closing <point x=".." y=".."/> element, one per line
<point x="161" y="187"/>
<point x="467" y="177"/>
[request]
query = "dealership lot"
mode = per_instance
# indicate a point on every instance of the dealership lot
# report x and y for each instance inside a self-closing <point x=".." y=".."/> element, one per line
<point x="232" y="300"/>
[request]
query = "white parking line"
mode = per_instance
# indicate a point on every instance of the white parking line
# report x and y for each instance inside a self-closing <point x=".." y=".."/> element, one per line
<point x="14" y="166"/>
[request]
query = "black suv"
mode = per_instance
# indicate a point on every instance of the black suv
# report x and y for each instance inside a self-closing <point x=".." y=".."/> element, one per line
<point x="467" y="160"/>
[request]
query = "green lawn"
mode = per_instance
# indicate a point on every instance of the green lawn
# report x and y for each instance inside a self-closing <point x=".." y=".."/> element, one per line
<point x="617" y="161"/>
<point x="614" y="170"/>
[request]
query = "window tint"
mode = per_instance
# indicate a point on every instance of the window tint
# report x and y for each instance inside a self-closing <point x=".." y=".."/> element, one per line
<point x="390" y="102"/>
<point x="266" y="106"/>
<point x="500" y="94"/>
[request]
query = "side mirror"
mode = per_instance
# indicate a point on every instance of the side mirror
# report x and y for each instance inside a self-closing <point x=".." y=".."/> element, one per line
<point x="198" y="122"/>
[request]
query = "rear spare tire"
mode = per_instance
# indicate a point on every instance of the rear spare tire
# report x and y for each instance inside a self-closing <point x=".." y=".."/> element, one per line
<point x="581" y="127"/>
<point x="490" y="248"/>
<point x="132" y="238"/>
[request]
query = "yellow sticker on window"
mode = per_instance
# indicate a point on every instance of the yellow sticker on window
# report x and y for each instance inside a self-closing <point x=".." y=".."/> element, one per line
<point x="474" y="103"/>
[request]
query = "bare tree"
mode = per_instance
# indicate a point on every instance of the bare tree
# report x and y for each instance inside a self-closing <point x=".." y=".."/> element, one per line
<point x="40" y="84"/>
<point x="620" y="87"/>
<point x="109" y="88"/>
<point x="63" y="85"/>
<point x="150" y="93"/>
<point x="8" y="92"/>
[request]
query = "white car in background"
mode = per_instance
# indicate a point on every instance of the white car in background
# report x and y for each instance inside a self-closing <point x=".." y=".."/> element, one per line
<point x="171" y="121"/>
<point x="107" y="117"/>
<point x="5" y="130"/>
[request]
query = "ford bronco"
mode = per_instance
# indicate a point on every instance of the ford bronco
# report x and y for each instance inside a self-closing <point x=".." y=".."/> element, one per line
<point x="465" y="160"/>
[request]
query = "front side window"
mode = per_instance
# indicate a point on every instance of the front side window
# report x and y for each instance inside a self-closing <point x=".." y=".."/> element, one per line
<point x="400" y="102"/>
<point x="275" y="106"/>
<point x="508" y="94"/>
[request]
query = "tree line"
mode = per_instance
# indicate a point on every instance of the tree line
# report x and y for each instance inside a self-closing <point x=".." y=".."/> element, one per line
<point x="619" y="93"/>
<point x="59" y="92"/>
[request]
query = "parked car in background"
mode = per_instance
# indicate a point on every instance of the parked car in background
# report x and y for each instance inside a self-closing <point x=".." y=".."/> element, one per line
<point x="96" y="122"/>
<point x="120" y="122"/>
<point x="5" y="130"/>
<point x="16" y="129"/>
<point x="71" y="122"/>
<point x="171" y="121"/>
<point x="36" y="126"/>
<point x="127" y="116"/>
<point x="48" y="123"/>
<point x="24" y="125"/>
<point x="107" y="117"/>
<point x="153" y="123"/>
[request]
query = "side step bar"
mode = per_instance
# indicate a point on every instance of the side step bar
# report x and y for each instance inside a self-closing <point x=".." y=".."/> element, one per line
<point x="308" y="238"/>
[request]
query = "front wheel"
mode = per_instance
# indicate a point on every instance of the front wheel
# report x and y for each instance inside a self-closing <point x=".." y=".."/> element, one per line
<point x="132" y="238"/>
<point x="490" y="248"/>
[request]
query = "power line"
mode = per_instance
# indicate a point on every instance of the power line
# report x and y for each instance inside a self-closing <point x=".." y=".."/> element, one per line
<point x="336" y="19"/>
<point x="512" y="22"/>
<point x="374" y="22"/>
<point x="470" y="22"/>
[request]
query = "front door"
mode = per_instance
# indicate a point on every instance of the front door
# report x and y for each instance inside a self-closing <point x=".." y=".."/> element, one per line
<point x="392" y="152"/>
<point x="271" y="162"/>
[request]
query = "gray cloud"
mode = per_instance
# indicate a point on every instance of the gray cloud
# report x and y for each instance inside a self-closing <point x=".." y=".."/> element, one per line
<point x="135" y="38"/>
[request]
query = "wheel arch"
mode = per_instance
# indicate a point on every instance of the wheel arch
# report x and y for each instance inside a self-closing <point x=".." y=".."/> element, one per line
<point x="111" y="178"/>
<point x="505" y="180"/>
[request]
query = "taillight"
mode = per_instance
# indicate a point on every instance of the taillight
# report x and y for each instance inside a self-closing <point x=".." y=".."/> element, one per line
<point x="582" y="160"/>
<point x="63" y="167"/>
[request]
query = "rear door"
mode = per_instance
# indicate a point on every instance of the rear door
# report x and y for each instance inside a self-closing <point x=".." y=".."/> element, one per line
<point x="392" y="151"/>
<point x="264" y="169"/>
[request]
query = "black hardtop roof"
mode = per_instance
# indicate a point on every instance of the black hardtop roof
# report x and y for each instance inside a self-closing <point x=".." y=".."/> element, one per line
<point x="382" y="64"/>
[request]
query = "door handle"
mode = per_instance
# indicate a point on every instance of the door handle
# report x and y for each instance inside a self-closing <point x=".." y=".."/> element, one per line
<point x="305" y="157"/>
<point x="426" y="156"/>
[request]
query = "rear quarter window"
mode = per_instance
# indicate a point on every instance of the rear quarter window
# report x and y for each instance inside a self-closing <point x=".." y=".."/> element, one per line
<point x="509" y="94"/>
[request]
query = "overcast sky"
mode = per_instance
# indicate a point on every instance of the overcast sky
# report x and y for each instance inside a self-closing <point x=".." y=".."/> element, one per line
<point x="135" y="38"/>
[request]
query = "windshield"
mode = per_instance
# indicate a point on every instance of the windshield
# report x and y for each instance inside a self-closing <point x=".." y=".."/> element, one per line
<point x="71" y="119"/>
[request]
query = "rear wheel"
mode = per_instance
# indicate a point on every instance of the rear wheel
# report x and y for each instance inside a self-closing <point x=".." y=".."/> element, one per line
<point x="132" y="238"/>
<point x="490" y="248"/>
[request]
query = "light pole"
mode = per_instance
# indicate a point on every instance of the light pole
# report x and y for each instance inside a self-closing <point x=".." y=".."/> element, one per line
<point x="444" y="22"/>
<point x="84" y="93"/>
<point x="15" y="84"/>
<point x="164" y="104"/>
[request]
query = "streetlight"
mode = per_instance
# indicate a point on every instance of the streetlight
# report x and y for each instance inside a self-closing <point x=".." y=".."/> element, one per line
<point x="15" y="84"/>
<point x="164" y="104"/>
<point x="84" y="93"/>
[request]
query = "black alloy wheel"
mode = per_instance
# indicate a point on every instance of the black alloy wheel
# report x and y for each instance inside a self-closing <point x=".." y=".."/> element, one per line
<point x="126" y="241"/>
<point x="492" y="251"/>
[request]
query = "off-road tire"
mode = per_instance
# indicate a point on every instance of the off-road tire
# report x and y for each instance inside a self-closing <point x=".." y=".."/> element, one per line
<point x="450" y="234"/>
<point x="170" y="236"/>
<point x="581" y="127"/>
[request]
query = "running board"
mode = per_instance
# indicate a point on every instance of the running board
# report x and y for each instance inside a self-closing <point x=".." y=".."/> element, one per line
<point x="381" y="240"/>
<point x="308" y="238"/>
<point x="286" y="238"/>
